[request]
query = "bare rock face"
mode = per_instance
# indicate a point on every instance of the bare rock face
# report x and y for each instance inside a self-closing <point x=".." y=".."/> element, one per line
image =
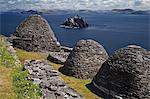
<point x="85" y="60"/>
<point x="35" y="34"/>
<point x="126" y="74"/>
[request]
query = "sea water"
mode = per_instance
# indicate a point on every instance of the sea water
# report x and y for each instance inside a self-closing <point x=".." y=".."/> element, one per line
<point x="111" y="30"/>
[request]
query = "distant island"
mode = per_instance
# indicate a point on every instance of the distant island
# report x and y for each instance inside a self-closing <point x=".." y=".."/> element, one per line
<point x="74" y="22"/>
<point x="31" y="12"/>
<point x="47" y="11"/>
<point x="129" y="11"/>
<point x="22" y="11"/>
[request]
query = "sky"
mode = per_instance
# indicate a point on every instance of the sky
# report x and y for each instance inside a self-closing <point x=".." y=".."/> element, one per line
<point x="74" y="4"/>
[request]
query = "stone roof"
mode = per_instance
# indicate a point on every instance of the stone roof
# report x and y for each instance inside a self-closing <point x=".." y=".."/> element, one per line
<point x="35" y="34"/>
<point x="126" y="74"/>
<point x="85" y="59"/>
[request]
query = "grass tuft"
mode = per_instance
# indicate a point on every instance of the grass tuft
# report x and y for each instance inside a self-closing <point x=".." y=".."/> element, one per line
<point x="25" y="89"/>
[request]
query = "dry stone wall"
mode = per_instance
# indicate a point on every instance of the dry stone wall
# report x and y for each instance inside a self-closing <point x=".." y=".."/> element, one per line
<point x="52" y="86"/>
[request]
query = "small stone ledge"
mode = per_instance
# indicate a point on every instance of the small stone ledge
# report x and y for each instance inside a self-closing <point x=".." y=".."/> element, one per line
<point x="58" y="57"/>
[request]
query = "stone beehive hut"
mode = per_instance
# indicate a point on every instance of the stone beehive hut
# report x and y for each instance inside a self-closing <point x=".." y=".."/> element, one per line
<point x="85" y="60"/>
<point x="35" y="34"/>
<point x="126" y="74"/>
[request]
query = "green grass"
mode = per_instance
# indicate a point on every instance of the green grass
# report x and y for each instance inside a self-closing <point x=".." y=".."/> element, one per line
<point x="7" y="90"/>
<point x="5" y="57"/>
<point x="13" y="82"/>
<point x="76" y="84"/>
<point x="6" y="60"/>
<point x="25" y="89"/>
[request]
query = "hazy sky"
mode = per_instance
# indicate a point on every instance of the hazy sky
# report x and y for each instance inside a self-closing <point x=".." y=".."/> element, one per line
<point x="74" y="4"/>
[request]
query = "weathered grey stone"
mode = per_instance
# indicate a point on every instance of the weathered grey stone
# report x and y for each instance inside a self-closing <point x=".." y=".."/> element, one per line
<point x="30" y="71"/>
<point x="44" y="84"/>
<point x="65" y="49"/>
<point x="53" y="86"/>
<point x="85" y="59"/>
<point x="48" y="94"/>
<point x="126" y="74"/>
<point x="70" y="92"/>
<point x="35" y="34"/>
<point x="58" y="57"/>
<point x="36" y="80"/>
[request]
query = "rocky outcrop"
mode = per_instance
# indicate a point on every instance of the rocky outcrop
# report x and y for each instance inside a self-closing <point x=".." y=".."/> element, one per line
<point x="58" y="57"/>
<point x="35" y="34"/>
<point x="84" y="60"/>
<point x="126" y="74"/>
<point x="75" y="22"/>
<point x="52" y="86"/>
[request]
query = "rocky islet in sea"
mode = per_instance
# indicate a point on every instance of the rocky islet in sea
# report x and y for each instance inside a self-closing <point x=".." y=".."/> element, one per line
<point x="74" y="22"/>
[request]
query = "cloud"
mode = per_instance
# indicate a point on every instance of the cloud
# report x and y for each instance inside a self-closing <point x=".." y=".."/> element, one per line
<point x="138" y="2"/>
<point x="11" y="2"/>
<point x="75" y="4"/>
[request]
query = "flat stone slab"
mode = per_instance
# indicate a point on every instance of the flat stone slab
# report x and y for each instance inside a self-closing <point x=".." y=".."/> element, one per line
<point x="58" y="57"/>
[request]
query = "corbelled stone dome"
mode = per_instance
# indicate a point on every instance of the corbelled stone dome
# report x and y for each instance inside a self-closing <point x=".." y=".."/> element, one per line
<point x="35" y="34"/>
<point x="126" y="74"/>
<point x="85" y="59"/>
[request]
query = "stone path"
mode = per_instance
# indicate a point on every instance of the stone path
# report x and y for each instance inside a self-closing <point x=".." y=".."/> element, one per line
<point x="53" y="87"/>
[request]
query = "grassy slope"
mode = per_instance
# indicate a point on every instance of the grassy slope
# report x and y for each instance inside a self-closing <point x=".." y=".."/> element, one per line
<point x="6" y="86"/>
<point x="77" y="84"/>
<point x="13" y="83"/>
